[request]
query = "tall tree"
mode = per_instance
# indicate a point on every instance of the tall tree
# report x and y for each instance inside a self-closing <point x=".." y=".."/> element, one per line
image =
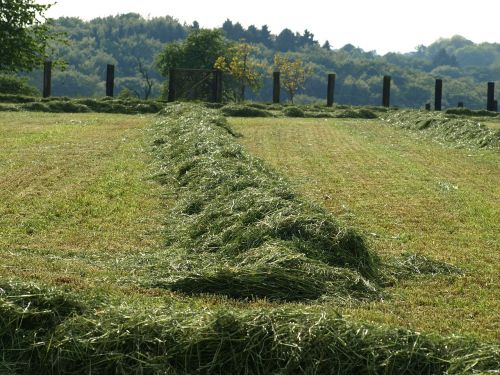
<point x="242" y="67"/>
<point x="293" y="73"/>
<point x="285" y="41"/>
<point x="24" y="35"/>
<point x="200" y="50"/>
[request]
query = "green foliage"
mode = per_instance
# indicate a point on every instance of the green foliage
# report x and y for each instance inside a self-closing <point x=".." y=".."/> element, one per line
<point x="24" y="35"/>
<point x="242" y="67"/>
<point x="293" y="73"/>
<point x="16" y="86"/>
<point x="200" y="50"/>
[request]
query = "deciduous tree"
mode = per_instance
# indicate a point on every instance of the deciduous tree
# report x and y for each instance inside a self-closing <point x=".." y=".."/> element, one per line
<point x="25" y="33"/>
<point x="293" y="73"/>
<point x="242" y="67"/>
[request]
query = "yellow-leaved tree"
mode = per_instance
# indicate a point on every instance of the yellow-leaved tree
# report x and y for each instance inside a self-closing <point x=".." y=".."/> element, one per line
<point x="293" y="73"/>
<point x="242" y="67"/>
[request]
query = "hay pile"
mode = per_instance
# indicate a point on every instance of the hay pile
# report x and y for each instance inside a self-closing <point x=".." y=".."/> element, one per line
<point x="68" y="105"/>
<point x="236" y="227"/>
<point x="447" y="128"/>
<point x="49" y="331"/>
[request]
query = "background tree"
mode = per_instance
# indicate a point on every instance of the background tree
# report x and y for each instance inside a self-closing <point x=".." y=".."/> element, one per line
<point x="242" y="67"/>
<point x="293" y="73"/>
<point x="200" y="50"/>
<point x="24" y="35"/>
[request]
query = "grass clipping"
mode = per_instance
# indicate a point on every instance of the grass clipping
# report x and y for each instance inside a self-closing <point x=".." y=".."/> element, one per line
<point x="51" y="331"/>
<point x="449" y="128"/>
<point x="237" y="229"/>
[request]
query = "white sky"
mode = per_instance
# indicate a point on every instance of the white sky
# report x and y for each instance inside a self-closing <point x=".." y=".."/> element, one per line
<point x="381" y="25"/>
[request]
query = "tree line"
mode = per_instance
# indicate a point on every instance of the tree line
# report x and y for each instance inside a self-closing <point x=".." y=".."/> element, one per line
<point x="135" y="45"/>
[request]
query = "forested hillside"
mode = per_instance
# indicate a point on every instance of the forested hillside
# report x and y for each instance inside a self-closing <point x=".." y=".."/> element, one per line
<point x="132" y="43"/>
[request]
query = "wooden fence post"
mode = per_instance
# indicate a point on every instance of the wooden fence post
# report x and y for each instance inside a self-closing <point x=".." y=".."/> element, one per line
<point x="276" y="87"/>
<point x="217" y="86"/>
<point x="47" y="78"/>
<point x="386" y="92"/>
<point x="460" y="104"/>
<point x="427" y="106"/>
<point x="438" y="94"/>
<point x="171" y="85"/>
<point x="330" y="90"/>
<point x="110" y="80"/>
<point x="490" y="104"/>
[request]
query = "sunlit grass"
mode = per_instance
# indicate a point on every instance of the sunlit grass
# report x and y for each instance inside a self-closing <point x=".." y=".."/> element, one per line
<point x="404" y="194"/>
<point x="75" y="195"/>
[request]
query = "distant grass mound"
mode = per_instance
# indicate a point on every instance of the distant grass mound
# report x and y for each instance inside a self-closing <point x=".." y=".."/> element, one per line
<point x="446" y="128"/>
<point x="67" y="105"/>
<point x="238" y="230"/>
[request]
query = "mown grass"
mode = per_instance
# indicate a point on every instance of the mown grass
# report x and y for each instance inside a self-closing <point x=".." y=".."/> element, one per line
<point x="406" y="194"/>
<point x="76" y="289"/>
<point x="75" y="195"/>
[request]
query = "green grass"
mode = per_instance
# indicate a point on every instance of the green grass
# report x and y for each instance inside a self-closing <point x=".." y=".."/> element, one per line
<point x="404" y="193"/>
<point x="75" y="194"/>
<point x="85" y="230"/>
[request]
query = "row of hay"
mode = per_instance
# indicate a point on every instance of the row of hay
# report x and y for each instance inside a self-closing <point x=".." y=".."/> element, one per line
<point x="14" y="103"/>
<point x="237" y="228"/>
<point x="49" y="331"/>
<point x="308" y="111"/>
<point x="446" y="127"/>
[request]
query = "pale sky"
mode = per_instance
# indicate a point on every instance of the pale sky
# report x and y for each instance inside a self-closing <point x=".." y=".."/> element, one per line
<point x="381" y="25"/>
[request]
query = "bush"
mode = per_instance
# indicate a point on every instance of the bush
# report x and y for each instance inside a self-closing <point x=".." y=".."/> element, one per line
<point x="16" y="86"/>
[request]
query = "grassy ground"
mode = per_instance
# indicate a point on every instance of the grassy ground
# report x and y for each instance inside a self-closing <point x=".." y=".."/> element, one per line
<point x="74" y="196"/>
<point x="404" y="194"/>
<point x="493" y="123"/>
<point x="79" y="210"/>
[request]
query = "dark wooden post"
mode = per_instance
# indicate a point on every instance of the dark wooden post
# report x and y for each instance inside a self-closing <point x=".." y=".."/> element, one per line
<point x="110" y="80"/>
<point x="386" y="92"/>
<point x="495" y="103"/>
<point x="330" y="90"/>
<point x="276" y="87"/>
<point x="171" y="85"/>
<point x="460" y="104"/>
<point x="47" y="78"/>
<point x="427" y="106"/>
<point x="217" y="86"/>
<point x="438" y="94"/>
<point x="491" y="97"/>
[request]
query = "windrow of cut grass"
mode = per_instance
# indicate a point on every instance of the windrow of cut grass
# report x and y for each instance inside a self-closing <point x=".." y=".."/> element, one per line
<point x="16" y="103"/>
<point x="50" y="331"/>
<point x="108" y="324"/>
<point x="446" y="127"/>
<point x="238" y="230"/>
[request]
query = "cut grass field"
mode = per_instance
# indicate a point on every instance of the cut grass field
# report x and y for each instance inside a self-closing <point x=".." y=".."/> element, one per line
<point x="406" y="194"/>
<point x="84" y="229"/>
<point x="75" y="195"/>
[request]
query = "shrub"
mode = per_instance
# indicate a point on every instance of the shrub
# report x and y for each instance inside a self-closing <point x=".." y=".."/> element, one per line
<point x="16" y="86"/>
